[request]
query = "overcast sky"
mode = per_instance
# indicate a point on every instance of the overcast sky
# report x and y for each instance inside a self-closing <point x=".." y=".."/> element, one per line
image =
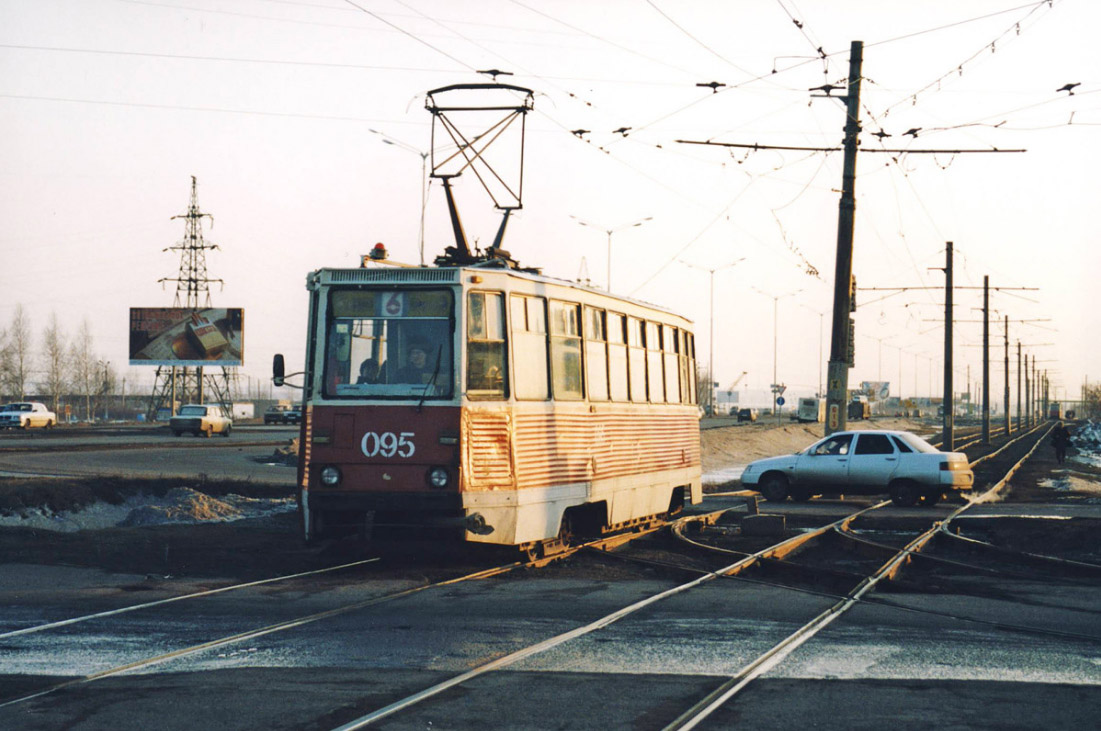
<point x="280" y="109"/>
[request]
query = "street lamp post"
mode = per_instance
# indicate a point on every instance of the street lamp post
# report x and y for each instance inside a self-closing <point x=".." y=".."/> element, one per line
<point x="711" y="323"/>
<point x="609" y="232"/>
<point x="388" y="140"/>
<point x="775" y="338"/>
<point x="821" y="324"/>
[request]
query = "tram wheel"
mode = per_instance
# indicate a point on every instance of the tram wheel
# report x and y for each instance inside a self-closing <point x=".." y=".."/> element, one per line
<point x="774" y="488"/>
<point x="567" y="531"/>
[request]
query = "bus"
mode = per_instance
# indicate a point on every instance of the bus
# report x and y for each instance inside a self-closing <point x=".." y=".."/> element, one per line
<point x="811" y="410"/>
<point x="493" y="404"/>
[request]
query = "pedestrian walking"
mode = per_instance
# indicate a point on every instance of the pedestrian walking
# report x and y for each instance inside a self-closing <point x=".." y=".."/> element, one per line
<point x="1060" y="438"/>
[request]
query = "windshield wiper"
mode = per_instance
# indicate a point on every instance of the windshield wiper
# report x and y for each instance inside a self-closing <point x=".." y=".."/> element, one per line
<point x="435" y="374"/>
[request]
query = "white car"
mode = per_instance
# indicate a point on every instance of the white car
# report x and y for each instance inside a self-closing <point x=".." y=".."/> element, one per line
<point x="201" y="420"/>
<point x="902" y="464"/>
<point x="26" y="414"/>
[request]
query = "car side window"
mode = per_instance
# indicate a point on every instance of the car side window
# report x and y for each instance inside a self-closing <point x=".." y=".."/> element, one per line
<point x="874" y="444"/>
<point x="835" y="445"/>
<point x="902" y="446"/>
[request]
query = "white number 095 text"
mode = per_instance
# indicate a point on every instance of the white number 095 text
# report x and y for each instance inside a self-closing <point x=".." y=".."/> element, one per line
<point x="388" y="444"/>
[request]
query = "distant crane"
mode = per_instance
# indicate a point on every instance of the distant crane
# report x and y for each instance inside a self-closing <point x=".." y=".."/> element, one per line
<point x="734" y="385"/>
<point x="737" y="380"/>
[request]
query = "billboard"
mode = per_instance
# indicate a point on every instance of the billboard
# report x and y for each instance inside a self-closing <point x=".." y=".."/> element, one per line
<point x="180" y="336"/>
<point x="875" y="390"/>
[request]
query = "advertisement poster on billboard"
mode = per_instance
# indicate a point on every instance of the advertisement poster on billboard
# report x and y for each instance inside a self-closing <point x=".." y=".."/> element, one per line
<point x="875" y="390"/>
<point x="179" y="336"/>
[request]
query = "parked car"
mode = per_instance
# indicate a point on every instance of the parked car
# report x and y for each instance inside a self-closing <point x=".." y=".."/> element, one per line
<point x="747" y="414"/>
<point x="201" y="419"/>
<point x="294" y="415"/>
<point x="278" y="414"/>
<point x="25" y="415"/>
<point x="902" y="464"/>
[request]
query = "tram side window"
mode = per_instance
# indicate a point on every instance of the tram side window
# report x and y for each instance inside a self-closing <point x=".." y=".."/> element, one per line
<point x="692" y="367"/>
<point x="485" y="346"/>
<point x="682" y="364"/>
<point x="617" y="356"/>
<point x="636" y="360"/>
<point x="596" y="354"/>
<point x="670" y="344"/>
<point x="529" y="347"/>
<point x="565" y="351"/>
<point x="654" y="374"/>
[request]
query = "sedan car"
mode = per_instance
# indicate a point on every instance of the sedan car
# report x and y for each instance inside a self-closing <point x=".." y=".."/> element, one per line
<point x="277" y="414"/>
<point x="26" y="414"/>
<point x="201" y="420"/>
<point x="902" y="464"/>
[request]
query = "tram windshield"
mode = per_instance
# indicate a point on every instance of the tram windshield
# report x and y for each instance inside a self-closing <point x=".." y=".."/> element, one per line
<point x="389" y="343"/>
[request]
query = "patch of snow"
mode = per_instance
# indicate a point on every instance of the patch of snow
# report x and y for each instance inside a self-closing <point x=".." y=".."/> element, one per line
<point x="180" y="505"/>
<point x="724" y="475"/>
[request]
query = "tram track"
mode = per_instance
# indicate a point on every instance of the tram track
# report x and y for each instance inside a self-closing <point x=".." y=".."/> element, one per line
<point x="699" y="711"/>
<point x="777" y="552"/>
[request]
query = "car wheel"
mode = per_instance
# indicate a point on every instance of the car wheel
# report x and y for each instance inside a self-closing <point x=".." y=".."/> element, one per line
<point x="50" y="424"/>
<point x="904" y="494"/>
<point x="929" y="499"/>
<point x="800" y="494"/>
<point x="774" y="488"/>
<point x="225" y="432"/>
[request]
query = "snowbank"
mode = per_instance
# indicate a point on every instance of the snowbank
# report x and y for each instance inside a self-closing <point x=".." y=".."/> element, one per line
<point x="181" y="505"/>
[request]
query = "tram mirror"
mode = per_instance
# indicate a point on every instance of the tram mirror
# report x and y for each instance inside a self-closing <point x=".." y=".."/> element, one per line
<point x="278" y="369"/>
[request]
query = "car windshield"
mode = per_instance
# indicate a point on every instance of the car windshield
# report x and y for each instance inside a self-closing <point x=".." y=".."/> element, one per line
<point x="917" y="443"/>
<point x="389" y="343"/>
<point x="193" y="411"/>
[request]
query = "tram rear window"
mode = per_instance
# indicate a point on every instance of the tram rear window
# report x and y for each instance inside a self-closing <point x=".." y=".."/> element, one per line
<point x="389" y="343"/>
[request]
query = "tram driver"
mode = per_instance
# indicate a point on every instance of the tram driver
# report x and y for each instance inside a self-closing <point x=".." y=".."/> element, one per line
<point x="416" y="368"/>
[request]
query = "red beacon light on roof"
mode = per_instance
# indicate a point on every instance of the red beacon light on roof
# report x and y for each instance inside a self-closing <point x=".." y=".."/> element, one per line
<point x="378" y="253"/>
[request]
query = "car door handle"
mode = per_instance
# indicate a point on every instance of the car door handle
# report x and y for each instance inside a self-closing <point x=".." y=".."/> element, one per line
<point x="891" y="459"/>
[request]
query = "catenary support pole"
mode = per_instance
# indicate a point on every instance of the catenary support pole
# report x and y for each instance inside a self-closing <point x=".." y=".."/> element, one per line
<point x="986" y="359"/>
<point x="837" y="374"/>
<point x="949" y="406"/>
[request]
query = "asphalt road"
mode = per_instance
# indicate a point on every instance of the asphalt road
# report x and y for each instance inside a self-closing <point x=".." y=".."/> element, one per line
<point x="147" y="452"/>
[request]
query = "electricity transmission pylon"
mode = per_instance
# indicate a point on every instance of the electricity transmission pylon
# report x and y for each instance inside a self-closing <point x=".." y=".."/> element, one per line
<point x="179" y="384"/>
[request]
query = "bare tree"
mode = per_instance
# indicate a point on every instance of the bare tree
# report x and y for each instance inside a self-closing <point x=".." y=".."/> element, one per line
<point x="55" y="364"/>
<point x="15" y="356"/>
<point x="84" y="369"/>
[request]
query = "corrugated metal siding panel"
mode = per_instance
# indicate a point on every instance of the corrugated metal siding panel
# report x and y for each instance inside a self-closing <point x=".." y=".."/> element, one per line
<point x="487" y="450"/>
<point x="556" y="448"/>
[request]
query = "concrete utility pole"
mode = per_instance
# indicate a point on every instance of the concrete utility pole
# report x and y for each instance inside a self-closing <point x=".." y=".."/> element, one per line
<point x="1018" y="385"/>
<point x="1008" y="425"/>
<point x="837" y="373"/>
<point x="949" y="407"/>
<point x="986" y="359"/>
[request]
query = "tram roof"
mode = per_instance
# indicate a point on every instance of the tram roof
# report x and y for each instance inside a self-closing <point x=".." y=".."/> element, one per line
<point x="404" y="274"/>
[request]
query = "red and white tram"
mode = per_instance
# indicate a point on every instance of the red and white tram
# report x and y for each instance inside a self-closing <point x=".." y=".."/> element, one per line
<point x="520" y="409"/>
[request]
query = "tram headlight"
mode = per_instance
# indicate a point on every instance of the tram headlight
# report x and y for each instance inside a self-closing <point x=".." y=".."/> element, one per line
<point x="438" y="477"/>
<point x="330" y="476"/>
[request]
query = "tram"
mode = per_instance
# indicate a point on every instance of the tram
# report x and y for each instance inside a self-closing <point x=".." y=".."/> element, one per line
<point x="507" y="406"/>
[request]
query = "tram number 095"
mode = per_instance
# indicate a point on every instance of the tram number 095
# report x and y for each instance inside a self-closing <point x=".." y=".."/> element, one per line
<point x="388" y="444"/>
